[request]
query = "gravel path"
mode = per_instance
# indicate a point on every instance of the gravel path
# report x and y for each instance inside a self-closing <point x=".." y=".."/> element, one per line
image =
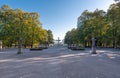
<point x="60" y="62"/>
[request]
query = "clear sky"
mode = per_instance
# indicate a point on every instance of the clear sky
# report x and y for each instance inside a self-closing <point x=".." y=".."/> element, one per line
<point x="58" y="15"/>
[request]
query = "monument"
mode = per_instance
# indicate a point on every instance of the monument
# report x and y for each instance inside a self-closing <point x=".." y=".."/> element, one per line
<point x="93" y="46"/>
<point x="58" y="41"/>
<point x="20" y="46"/>
<point x="0" y="44"/>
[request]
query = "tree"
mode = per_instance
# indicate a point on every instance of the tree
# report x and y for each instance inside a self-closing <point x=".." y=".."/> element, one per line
<point x="50" y="37"/>
<point x="16" y="23"/>
<point x="113" y="18"/>
<point x="103" y="26"/>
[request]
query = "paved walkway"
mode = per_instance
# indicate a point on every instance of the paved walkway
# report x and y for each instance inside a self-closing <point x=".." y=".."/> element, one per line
<point x="60" y="62"/>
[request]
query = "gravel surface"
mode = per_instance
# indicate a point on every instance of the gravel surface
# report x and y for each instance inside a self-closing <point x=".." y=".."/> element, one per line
<point x="60" y="62"/>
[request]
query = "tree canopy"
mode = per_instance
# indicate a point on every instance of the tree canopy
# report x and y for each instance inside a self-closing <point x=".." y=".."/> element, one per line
<point x="104" y="26"/>
<point x="16" y="22"/>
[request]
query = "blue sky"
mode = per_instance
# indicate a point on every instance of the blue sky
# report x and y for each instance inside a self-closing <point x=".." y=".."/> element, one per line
<point x="58" y="15"/>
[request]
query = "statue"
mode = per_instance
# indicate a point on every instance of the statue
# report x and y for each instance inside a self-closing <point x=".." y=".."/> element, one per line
<point x="20" y="46"/>
<point x="0" y="44"/>
<point x="93" y="46"/>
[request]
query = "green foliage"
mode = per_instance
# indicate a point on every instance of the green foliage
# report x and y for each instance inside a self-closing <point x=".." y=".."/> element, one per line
<point x="72" y="37"/>
<point x="50" y="37"/>
<point x="105" y="27"/>
<point x="15" y="23"/>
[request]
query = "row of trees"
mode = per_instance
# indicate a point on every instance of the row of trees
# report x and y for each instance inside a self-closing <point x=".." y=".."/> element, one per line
<point x="16" y="23"/>
<point x="104" y="26"/>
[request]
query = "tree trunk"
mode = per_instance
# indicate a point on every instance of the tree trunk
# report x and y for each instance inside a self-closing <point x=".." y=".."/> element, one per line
<point x="115" y="44"/>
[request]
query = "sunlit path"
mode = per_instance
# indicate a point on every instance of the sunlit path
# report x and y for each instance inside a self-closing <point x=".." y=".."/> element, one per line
<point x="60" y="62"/>
<point x="60" y="39"/>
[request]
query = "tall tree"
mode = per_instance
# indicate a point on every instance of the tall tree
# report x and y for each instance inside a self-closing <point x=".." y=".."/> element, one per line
<point x="16" y="23"/>
<point x="50" y="37"/>
<point x="113" y="17"/>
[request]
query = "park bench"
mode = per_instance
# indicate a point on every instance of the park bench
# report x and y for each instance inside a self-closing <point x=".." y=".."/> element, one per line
<point x="76" y="48"/>
<point x="39" y="48"/>
<point x="36" y="48"/>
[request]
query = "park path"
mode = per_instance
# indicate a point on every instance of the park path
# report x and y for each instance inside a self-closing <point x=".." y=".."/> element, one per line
<point x="60" y="62"/>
